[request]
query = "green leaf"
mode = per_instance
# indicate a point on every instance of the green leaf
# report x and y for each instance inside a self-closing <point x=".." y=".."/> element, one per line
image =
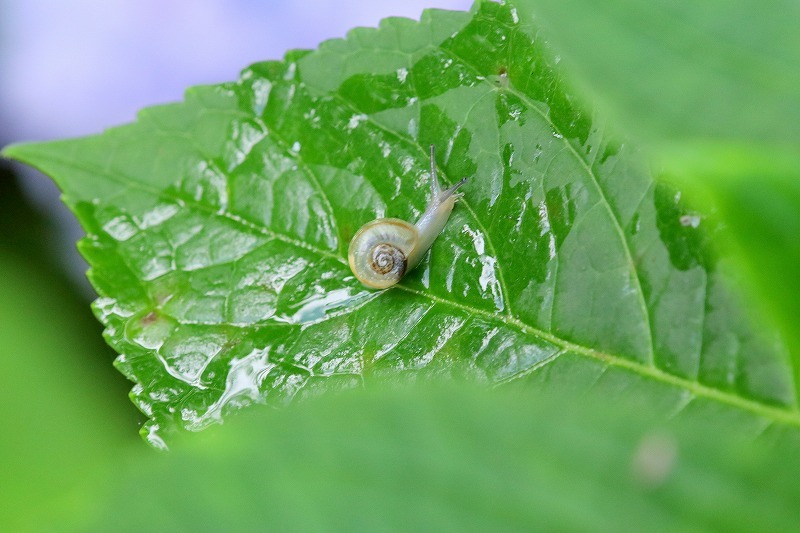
<point x="678" y="71"/>
<point x="459" y="460"/>
<point x="218" y="229"/>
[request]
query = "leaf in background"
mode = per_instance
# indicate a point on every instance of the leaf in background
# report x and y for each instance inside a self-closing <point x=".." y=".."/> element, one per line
<point x="218" y="228"/>
<point x="677" y="71"/>
<point x="459" y="460"/>
<point x="713" y="87"/>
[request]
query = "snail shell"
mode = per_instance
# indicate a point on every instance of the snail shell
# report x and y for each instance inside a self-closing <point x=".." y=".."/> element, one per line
<point x="380" y="250"/>
<point x="383" y="250"/>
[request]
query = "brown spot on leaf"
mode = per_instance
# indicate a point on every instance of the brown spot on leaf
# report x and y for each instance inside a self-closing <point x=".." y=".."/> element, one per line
<point x="148" y="319"/>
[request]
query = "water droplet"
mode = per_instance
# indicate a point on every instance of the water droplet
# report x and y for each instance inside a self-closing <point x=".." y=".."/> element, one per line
<point x="243" y="385"/>
<point x="120" y="228"/>
<point x="402" y="74"/>
<point x="355" y="120"/>
<point x="690" y="221"/>
<point x="317" y="307"/>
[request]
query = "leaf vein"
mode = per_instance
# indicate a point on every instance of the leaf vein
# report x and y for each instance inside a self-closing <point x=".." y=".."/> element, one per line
<point x="315" y="181"/>
<point x="127" y="181"/>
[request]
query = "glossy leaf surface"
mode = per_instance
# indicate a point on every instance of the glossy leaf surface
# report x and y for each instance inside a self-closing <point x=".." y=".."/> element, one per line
<point x="218" y="230"/>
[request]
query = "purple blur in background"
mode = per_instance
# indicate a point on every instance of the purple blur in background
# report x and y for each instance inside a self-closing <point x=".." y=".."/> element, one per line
<point x="79" y="66"/>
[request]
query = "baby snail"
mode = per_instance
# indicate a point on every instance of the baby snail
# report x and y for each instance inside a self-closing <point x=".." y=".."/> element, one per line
<point x="383" y="250"/>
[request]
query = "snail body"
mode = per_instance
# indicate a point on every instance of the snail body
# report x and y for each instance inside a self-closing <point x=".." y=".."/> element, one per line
<point x="383" y="250"/>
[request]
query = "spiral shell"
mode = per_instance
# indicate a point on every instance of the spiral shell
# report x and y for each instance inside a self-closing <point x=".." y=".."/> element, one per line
<point x="379" y="252"/>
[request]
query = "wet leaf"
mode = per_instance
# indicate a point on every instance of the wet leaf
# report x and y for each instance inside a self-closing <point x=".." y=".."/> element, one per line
<point x="218" y="229"/>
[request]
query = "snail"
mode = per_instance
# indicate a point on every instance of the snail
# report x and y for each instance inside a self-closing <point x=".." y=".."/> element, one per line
<point x="383" y="250"/>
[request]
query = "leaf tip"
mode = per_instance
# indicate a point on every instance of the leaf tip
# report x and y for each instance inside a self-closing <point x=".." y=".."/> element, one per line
<point x="9" y="151"/>
<point x="21" y="152"/>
